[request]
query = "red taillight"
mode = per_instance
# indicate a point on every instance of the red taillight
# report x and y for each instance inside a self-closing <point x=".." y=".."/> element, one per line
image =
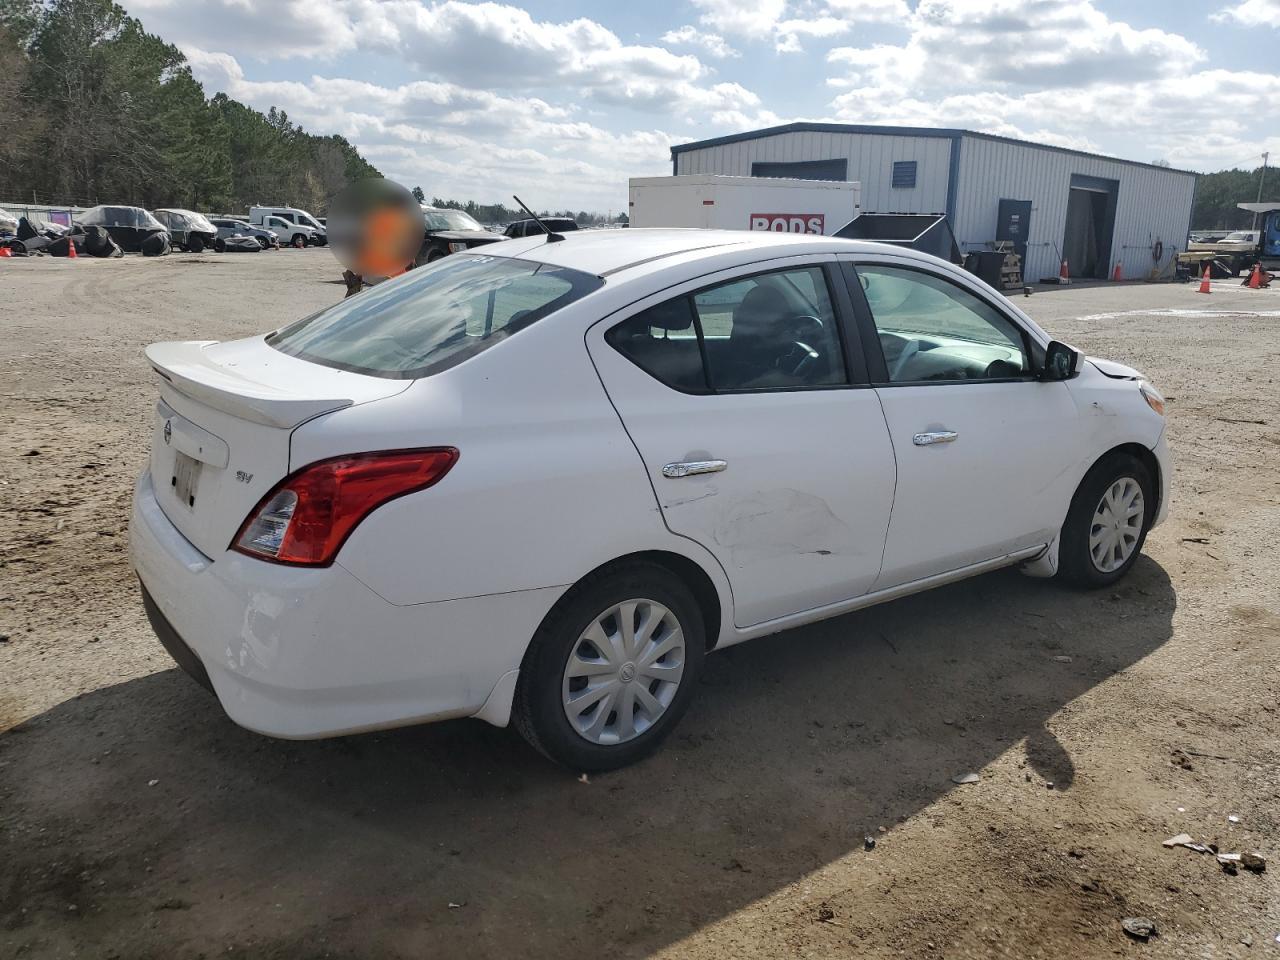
<point x="307" y="517"/>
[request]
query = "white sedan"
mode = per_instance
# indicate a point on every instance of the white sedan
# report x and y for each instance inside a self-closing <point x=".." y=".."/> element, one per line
<point x="539" y="483"/>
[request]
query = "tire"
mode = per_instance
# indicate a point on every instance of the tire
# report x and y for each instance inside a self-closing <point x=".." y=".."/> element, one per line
<point x="435" y="255"/>
<point x="298" y="241"/>
<point x="667" y="681"/>
<point x="220" y="245"/>
<point x="1114" y="477"/>
<point x="195" y="244"/>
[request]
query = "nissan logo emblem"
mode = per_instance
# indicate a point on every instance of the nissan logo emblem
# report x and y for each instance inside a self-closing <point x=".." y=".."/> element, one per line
<point x="168" y="431"/>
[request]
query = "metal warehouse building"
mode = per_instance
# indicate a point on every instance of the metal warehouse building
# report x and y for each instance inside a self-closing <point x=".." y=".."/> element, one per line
<point x="1053" y="203"/>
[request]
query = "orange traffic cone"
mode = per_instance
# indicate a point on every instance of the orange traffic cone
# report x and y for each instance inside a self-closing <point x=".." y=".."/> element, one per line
<point x="1064" y="275"/>
<point x="1204" y="281"/>
<point x="71" y="248"/>
<point x="4" y="252"/>
<point x="1255" y="278"/>
<point x="1115" y="274"/>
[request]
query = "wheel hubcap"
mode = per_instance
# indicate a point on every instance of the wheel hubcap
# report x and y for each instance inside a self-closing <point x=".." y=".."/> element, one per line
<point x="1117" y="524"/>
<point x="623" y="672"/>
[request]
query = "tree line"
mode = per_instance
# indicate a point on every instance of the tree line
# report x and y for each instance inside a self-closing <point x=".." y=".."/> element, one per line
<point x="500" y="213"/>
<point x="1218" y="193"/>
<point x="93" y="109"/>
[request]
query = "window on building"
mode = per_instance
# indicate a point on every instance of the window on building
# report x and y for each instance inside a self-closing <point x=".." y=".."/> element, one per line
<point x="904" y="174"/>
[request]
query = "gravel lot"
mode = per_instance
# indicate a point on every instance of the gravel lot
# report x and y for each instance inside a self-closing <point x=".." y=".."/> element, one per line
<point x="136" y="821"/>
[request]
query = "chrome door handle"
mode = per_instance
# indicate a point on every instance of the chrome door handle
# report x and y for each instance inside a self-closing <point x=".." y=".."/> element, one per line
<point x="937" y="436"/>
<point x="674" y="471"/>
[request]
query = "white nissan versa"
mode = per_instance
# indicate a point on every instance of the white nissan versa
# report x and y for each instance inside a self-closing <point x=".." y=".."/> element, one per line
<point x="541" y="482"/>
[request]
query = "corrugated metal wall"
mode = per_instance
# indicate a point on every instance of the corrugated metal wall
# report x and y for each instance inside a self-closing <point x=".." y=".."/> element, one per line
<point x="1152" y="204"/>
<point x="870" y="156"/>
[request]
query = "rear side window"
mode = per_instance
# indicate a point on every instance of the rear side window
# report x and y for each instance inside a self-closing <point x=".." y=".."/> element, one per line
<point x="663" y="343"/>
<point x="434" y="317"/>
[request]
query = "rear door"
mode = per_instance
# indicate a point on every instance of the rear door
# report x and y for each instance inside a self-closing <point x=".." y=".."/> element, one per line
<point x="757" y="430"/>
<point x="986" y="453"/>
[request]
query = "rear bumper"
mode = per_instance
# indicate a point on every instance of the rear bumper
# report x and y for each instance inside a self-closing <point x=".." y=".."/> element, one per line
<point x="305" y="653"/>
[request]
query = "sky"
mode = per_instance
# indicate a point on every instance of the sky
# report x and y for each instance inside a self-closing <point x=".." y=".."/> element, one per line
<point x="562" y="100"/>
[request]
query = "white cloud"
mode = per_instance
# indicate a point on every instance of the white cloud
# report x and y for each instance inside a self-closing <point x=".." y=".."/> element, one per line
<point x="1055" y="72"/>
<point x="279" y="29"/>
<point x="747" y="18"/>
<point x="1252" y="13"/>
<point x="466" y="143"/>
<point x="690" y="35"/>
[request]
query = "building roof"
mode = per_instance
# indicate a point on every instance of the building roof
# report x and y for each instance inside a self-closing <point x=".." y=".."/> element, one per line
<point x="805" y="126"/>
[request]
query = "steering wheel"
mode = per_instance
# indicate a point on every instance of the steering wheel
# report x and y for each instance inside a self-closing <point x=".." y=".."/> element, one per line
<point x="909" y="351"/>
<point x="798" y="361"/>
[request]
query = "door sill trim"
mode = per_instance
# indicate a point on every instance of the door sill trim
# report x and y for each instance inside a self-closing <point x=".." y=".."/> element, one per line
<point x="881" y="596"/>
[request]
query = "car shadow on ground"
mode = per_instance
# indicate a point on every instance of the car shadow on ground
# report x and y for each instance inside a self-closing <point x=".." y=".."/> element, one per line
<point x="172" y="832"/>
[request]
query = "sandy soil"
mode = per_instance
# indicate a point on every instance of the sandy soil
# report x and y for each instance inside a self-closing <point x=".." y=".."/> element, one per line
<point x="136" y="821"/>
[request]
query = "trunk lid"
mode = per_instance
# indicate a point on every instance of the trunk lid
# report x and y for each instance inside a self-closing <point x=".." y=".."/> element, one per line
<point x="222" y="427"/>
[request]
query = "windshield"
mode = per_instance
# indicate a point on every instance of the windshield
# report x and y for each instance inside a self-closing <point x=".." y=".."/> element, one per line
<point x="106" y="216"/>
<point x="308" y="221"/>
<point x="449" y="220"/>
<point x="433" y="317"/>
<point x="1240" y="236"/>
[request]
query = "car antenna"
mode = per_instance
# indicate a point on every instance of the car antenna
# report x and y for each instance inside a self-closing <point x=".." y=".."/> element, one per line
<point x="551" y="237"/>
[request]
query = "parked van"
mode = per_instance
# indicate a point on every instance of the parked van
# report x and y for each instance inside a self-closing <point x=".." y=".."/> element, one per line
<point x="296" y="227"/>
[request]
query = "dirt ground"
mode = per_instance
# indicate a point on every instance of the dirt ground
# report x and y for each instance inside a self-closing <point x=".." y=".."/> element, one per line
<point x="136" y="821"/>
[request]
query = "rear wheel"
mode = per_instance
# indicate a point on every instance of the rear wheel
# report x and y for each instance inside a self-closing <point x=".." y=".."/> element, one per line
<point x="612" y="668"/>
<point x="1108" y="521"/>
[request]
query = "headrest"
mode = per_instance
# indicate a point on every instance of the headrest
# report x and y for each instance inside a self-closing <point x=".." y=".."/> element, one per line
<point x="672" y="315"/>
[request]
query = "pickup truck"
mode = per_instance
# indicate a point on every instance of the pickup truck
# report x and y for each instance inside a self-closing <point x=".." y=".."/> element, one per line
<point x="1241" y="249"/>
<point x="447" y="231"/>
<point x="293" y="226"/>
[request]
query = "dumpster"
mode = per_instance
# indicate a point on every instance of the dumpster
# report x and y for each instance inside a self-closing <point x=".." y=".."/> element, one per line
<point x="926" y="232"/>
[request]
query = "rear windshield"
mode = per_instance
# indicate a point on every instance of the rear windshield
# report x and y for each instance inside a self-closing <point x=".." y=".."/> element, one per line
<point x="434" y="317"/>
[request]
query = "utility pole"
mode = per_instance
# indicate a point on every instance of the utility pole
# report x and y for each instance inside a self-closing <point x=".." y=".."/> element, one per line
<point x="1261" y="177"/>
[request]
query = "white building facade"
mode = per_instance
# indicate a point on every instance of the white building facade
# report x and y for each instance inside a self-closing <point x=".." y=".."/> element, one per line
<point x="1052" y="203"/>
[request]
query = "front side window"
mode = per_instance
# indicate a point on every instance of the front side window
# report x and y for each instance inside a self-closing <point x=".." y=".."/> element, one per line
<point x="433" y="317"/>
<point x="931" y="329"/>
<point x="770" y="331"/>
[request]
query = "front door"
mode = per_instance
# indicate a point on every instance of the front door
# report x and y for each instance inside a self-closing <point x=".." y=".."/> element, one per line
<point x="984" y="449"/>
<point x="760" y="443"/>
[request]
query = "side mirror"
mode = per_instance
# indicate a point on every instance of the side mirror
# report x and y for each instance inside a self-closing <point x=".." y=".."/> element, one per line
<point x="1061" y="362"/>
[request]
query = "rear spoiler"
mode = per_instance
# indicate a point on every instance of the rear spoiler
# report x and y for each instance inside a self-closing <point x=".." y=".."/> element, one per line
<point x="185" y="367"/>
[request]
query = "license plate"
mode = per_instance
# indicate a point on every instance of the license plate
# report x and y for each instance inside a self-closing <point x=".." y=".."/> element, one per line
<point x="186" y="477"/>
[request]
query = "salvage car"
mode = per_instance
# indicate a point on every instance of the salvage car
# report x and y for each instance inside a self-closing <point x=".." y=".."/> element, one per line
<point x="539" y="482"/>
<point x="188" y="230"/>
<point x="229" y="228"/>
<point x="449" y="231"/>
<point x="533" y="228"/>
<point x="129" y="227"/>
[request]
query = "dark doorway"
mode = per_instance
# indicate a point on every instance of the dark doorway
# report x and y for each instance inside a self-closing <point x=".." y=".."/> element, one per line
<point x="1013" y="222"/>
<point x="1091" y="214"/>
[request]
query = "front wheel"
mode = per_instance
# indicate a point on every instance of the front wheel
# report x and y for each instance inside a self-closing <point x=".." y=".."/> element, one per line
<point x="1108" y="522"/>
<point x="611" y="669"/>
<point x="299" y="241"/>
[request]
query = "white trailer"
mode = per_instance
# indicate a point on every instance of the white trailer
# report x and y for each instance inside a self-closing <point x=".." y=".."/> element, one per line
<point x="743" y="203"/>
